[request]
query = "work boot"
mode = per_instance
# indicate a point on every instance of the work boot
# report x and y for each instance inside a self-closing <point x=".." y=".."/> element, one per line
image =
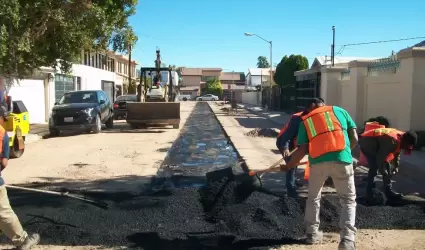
<point x="391" y="194"/>
<point x="313" y="239"/>
<point x="347" y="245"/>
<point x="30" y="241"/>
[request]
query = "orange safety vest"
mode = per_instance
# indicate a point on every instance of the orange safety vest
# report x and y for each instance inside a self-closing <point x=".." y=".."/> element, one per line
<point x="324" y="132"/>
<point x="392" y="132"/>
<point x="286" y="127"/>
<point x="2" y="134"/>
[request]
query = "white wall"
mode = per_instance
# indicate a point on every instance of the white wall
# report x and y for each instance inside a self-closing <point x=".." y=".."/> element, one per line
<point x="253" y="98"/>
<point x="91" y="78"/>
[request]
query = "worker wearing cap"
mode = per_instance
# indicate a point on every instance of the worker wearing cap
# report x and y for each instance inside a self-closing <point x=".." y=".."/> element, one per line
<point x="327" y="134"/>
<point x="9" y="222"/>
<point x="382" y="148"/>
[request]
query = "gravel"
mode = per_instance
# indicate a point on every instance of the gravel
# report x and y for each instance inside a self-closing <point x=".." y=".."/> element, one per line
<point x="262" y="132"/>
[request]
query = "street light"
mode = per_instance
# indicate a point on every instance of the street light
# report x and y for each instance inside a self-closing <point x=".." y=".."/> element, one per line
<point x="271" y="61"/>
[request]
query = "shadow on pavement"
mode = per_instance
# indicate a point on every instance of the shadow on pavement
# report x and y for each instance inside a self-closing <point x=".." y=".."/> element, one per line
<point x="256" y="122"/>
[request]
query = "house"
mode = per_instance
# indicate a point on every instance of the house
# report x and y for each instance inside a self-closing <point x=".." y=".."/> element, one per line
<point x="46" y="86"/>
<point x="194" y="79"/>
<point x="257" y="77"/>
<point x="391" y="87"/>
<point x="233" y="84"/>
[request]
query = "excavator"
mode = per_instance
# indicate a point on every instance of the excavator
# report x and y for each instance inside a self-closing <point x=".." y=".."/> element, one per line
<point x="156" y="102"/>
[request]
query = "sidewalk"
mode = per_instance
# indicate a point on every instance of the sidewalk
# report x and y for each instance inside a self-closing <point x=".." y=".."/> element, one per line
<point x="412" y="166"/>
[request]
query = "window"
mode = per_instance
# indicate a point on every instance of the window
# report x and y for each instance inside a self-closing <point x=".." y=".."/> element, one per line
<point x="78" y="83"/>
<point x="79" y="97"/>
<point x="63" y="84"/>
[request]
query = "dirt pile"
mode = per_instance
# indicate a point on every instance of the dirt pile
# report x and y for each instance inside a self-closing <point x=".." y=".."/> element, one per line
<point x="262" y="132"/>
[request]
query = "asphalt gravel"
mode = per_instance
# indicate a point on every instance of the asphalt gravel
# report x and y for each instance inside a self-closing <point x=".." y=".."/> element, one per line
<point x="263" y="132"/>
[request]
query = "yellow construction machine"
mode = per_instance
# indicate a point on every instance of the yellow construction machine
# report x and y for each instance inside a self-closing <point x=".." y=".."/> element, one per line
<point x="17" y="126"/>
<point x="156" y="103"/>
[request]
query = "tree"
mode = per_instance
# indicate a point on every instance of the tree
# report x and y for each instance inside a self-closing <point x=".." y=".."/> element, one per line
<point x="214" y="87"/>
<point x="131" y="88"/>
<point x="52" y="33"/>
<point x="284" y="75"/>
<point x="262" y="62"/>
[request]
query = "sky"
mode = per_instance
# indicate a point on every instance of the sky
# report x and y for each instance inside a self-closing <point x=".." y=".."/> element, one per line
<point x="201" y="33"/>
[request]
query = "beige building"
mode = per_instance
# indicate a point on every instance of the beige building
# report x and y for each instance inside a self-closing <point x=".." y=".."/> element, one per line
<point x="392" y="87"/>
<point x="193" y="79"/>
<point x="112" y="62"/>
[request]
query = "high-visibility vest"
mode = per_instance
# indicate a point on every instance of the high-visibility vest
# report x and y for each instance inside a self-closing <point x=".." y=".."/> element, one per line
<point x="324" y="131"/>
<point x="392" y="132"/>
<point x="2" y="134"/>
<point x="286" y="127"/>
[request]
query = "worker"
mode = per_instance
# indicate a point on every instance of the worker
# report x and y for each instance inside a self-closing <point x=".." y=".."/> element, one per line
<point x="381" y="148"/>
<point x="9" y="222"/>
<point x="286" y="142"/>
<point x="327" y="134"/>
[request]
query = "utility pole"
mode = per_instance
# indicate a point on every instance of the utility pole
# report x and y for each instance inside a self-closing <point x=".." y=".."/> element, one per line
<point x="271" y="73"/>
<point x="129" y="65"/>
<point x="333" y="46"/>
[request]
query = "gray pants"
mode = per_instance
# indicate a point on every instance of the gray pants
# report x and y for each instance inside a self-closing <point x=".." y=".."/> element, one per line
<point x="343" y="177"/>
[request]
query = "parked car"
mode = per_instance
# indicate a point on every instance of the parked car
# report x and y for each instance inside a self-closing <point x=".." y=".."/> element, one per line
<point x="184" y="98"/>
<point x="82" y="111"/>
<point x="120" y="105"/>
<point x="207" y="97"/>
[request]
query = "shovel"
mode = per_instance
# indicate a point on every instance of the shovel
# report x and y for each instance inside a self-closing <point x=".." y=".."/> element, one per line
<point x="99" y="204"/>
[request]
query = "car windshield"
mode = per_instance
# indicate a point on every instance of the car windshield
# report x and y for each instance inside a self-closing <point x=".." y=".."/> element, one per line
<point x="79" y="97"/>
<point x="130" y="98"/>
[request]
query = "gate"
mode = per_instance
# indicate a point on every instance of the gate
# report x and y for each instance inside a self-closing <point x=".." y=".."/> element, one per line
<point x="307" y="87"/>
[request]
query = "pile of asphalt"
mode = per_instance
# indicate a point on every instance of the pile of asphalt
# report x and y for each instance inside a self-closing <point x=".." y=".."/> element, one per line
<point x="218" y="216"/>
<point x="262" y="132"/>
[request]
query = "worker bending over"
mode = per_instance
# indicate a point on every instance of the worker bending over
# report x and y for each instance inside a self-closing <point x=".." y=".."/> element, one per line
<point x="381" y="148"/>
<point x="327" y="134"/>
<point x="9" y="222"/>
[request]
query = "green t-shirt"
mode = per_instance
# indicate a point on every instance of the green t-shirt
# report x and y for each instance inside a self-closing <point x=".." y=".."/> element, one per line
<point x="347" y="123"/>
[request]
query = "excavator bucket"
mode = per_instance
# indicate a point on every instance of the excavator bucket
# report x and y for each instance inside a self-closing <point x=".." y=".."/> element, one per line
<point x="152" y="114"/>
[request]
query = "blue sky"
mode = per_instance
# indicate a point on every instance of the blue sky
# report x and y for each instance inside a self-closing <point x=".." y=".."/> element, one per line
<point x="200" y="33"/>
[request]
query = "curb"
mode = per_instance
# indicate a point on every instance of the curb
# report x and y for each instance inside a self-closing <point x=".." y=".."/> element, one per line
<point x="263" y="115"/>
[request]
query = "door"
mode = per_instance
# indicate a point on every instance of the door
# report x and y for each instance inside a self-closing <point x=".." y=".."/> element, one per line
<point x="31" y="93"/>
<point x="103" y="110"/>
<point x="109" y="88"/>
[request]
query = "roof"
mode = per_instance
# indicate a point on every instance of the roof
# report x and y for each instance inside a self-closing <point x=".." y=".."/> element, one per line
<point x="196" y="71"/>
<point x="421" y="44"/>
<point x="326" y="60"/>
<point x="259" y="71"/>
<point x="189" y="88"/>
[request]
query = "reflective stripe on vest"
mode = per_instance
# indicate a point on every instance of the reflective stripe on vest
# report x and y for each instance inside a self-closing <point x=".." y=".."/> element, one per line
<point x="286" y="127"/>
<point x="392" y="132"/>
<point x="324" y="132"/>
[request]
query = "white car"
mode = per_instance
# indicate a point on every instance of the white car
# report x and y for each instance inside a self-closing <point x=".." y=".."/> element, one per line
<point x="184" y="98"/>
<point x="207" y="97"/>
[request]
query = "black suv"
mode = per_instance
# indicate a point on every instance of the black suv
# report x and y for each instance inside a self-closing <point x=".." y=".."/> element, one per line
<point x="81" y="110"/>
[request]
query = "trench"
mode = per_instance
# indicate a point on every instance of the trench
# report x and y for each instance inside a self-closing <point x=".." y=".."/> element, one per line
<point x="201" y="147"/>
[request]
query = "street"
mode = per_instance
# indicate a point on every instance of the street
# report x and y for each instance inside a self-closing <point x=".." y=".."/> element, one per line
<point x="116" y="166"/>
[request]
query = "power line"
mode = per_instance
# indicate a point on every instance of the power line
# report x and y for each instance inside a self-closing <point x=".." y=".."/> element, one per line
<point x="376" y="42"/>
<point x="384" y="41"/>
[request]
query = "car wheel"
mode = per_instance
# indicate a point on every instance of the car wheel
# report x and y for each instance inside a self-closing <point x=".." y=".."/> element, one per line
<point x="98" y="126"/>
<point x="110" y="122"/>
<point x="54" y="132"/>
<point x="213" y="99"/>
<point x="184" y="99"/>
<point x="200" y="99"/>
